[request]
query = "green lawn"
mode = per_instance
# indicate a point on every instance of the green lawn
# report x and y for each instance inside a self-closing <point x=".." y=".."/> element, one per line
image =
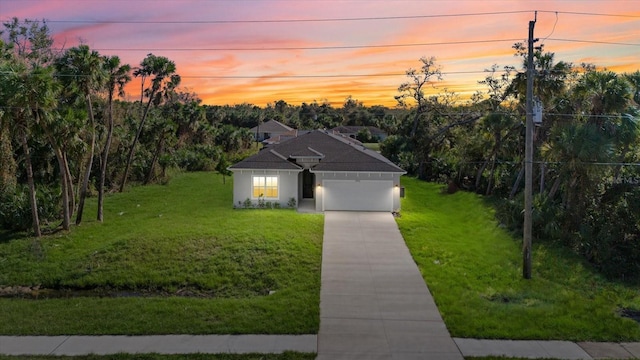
<point x="372" y="146"/>
<point x="473" y="268"/>
<point x="246" y="271"/>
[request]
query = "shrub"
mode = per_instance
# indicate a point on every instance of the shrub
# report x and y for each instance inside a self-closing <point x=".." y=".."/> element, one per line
<point x="610" y="238"/>
<point x="190" y="160"/>
<point x="291" y="203"/>
<point x="15" y="209"/>
<point x="247" y="204"/>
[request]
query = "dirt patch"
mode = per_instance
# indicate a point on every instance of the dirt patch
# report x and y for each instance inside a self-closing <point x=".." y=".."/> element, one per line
<point x="631" y="314"/>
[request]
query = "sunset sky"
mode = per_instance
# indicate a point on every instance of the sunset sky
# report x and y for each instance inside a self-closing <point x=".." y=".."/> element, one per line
<point x="261" y="51"/>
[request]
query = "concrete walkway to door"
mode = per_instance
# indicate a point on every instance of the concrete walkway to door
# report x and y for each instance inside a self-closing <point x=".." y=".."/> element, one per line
<point x="374" y="303"/>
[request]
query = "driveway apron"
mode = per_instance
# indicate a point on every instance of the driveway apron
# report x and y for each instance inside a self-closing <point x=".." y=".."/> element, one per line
<point x="374" y="303"/>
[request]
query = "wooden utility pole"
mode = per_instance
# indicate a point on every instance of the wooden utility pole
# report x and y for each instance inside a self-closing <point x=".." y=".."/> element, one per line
<point x="528" y="162"/>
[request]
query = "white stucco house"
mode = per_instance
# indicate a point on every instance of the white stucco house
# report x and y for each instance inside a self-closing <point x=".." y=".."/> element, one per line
<point x="330" y="170"/>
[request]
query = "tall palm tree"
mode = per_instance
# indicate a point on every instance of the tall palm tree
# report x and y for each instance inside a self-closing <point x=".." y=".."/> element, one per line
<point x="164" y="79"/>
<point x="495" y="128"/>
<point x="31" y="95"/>
<point x="117" y="77"/>
<point x="82" y="69"/>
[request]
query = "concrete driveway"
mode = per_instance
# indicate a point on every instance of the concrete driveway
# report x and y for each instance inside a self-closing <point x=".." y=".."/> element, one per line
<point x="374" y="303"/>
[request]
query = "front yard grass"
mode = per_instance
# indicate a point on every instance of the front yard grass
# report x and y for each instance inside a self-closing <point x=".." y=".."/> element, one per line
<point x="168" y="259"/>
<point x="473" y="268"/>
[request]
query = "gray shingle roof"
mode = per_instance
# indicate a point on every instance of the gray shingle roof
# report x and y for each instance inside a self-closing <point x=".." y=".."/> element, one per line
<point x="272" y="126"/>
<point x="339" y="154"/>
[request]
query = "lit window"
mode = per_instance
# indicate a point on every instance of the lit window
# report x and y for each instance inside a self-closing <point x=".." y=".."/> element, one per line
<point x="265" y="186"/>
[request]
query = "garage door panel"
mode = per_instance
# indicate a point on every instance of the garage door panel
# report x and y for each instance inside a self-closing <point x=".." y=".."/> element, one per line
<point x="354" y="195"/>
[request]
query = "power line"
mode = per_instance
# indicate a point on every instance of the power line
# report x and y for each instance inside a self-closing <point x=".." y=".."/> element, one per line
<point x="303" y="76"/>
<point x="343" y="47"/>
<point x="590" y="14"/>
<point x="374" y="18"/>
<point x="337" y="47"/>
<point x="594" y="42"/>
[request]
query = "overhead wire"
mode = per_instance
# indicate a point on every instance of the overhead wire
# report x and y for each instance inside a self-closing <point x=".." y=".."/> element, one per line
<point x="270" y="21"/>
<point x="319" y="48"/>
<point x="302" y="20"/>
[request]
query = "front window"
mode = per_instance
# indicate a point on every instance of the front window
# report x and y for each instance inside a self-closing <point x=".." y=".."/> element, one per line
<point x="265" y="186"/>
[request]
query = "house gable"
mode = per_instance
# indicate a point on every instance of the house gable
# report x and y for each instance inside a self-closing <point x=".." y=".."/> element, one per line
<point x="270" y="129"/>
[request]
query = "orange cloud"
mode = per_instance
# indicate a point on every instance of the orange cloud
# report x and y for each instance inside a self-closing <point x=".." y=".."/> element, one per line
<point x="221" y="73"/>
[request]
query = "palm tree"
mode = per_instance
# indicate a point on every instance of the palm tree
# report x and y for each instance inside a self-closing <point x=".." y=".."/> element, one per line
<point x="496" y="127"/>
<point x="163" y="80"/>
<point x="31" y="95"/>
<point x="634" y="80"/>
<point x="82" y="69"/>
<point x="117" y="77"/>
<point x="575" y="148"/>
<point x="600" y="94"/>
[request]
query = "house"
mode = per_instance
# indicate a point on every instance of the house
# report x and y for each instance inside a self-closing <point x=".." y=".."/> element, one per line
<point x="352" y="131"/>
<point x="331" y="171"/>
<point x="269" y="129"/>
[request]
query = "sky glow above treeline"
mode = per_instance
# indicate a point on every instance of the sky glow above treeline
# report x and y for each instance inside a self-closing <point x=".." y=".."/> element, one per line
<point x="260" y="51"/>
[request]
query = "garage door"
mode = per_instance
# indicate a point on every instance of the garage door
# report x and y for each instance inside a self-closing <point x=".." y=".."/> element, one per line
<point x="354" y="195"/>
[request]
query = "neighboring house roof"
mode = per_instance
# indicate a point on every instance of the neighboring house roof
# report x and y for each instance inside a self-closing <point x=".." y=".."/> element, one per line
<point x="355" y="129"/>
<point x="272" y="126"/>
<point x="333" y="152"/>
<point x="285" y="136"/>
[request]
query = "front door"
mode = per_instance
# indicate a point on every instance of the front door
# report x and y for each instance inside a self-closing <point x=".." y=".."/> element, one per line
<point x="308" y="180"/>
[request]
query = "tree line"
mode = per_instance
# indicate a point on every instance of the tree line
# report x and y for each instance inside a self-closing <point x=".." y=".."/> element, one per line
<point x="66" y="133"/>
<point x="587" y="170"/>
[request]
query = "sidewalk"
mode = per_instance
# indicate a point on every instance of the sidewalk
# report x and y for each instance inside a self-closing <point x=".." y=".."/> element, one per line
<point x="161" y="344"/>
<point x="548" y="349"/>
<point x="242" y="344"/>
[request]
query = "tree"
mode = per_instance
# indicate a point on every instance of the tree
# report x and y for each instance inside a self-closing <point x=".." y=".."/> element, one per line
<point x="496" y="127"/>
<point x="163" y="79"/>
<point x="82" y="70"/>
<point x="30" y="40"/>
<point x="117" y="77"/>
<point x="28" y="90"/>
<point x="412" y="91"/>
<point x="602" y="93"/>
<point x="31" y="94"/>
<point x="634" y="80"/>
<point x="222" y="168"/>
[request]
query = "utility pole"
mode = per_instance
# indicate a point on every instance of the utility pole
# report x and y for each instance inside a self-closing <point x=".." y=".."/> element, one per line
<point x="528" y="161"/>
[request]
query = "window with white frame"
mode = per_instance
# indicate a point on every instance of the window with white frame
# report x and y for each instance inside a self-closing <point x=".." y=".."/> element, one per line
<point x="265" y="186"/>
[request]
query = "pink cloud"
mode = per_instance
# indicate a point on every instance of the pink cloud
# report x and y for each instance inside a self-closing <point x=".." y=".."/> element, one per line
<point x="164" y="27"/>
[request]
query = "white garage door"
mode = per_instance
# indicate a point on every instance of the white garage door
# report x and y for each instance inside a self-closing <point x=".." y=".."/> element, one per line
<point x="354" y="195"/>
